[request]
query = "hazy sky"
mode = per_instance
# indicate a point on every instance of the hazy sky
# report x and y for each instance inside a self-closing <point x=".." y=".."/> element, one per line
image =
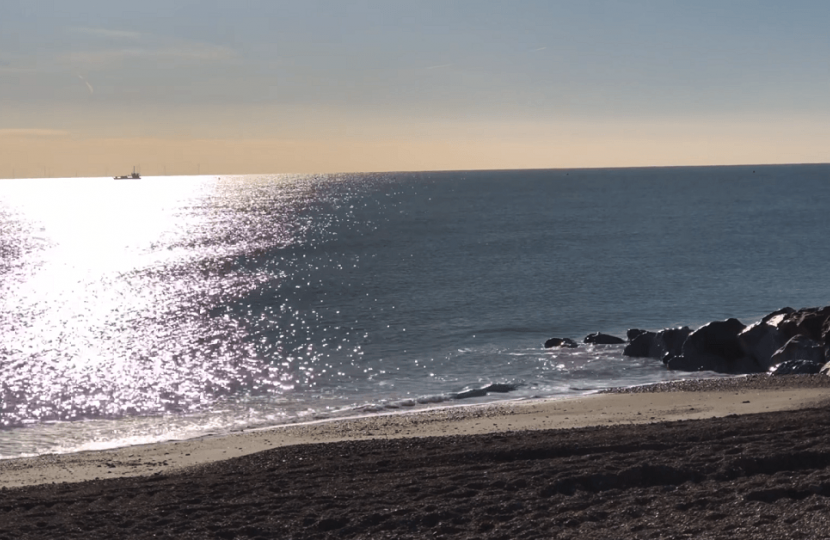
<point x="93" y="87"/>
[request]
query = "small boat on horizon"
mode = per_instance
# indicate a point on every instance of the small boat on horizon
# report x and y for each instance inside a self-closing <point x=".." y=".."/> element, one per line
<point x="133" y="176"/>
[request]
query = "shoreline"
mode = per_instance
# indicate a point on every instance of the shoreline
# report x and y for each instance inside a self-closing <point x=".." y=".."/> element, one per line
<point x="694" y="399"/>
<point x="746" y="460"/>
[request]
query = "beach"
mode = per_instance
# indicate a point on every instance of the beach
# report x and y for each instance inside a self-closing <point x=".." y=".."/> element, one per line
<point x="407" y="270"/>
<point x="746" y="457"/>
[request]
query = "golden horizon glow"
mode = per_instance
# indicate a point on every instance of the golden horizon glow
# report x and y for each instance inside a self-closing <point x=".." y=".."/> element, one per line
<point x="51" y="153"/>
<point x="320" y="87"/>
<point x="317" y="87"/>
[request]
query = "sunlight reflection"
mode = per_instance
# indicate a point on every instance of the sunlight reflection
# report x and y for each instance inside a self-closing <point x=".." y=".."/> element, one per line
<point x="105" y="315"/>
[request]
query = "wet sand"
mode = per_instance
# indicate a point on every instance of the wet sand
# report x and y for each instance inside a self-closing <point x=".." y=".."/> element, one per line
<point x="737" y="458"/>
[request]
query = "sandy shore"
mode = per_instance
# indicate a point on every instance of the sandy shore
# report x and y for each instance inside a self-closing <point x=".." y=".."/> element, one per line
<point x="519" y="469"/>
<point x="642" y="405"/>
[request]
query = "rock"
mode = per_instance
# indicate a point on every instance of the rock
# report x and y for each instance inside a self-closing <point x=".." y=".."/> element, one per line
<point x="797" y="367"/>
<point x="742" y="365"/>
<point x="661" y="345"/>
<point x="484" y="390"/>
<point x="715" y="347"/>
<point x="813" y="323"/>
<point x="826" y="369"/>
<point x="560" y="342"/>
<point x="800" y="348"/>
<point x="640" y="345"/>
<point x="602" y="339"/>
<point x="761" y="341"/>
<point x="681" y="363"/>
<point x="669" y="342"/>
<point x="774" y="318"/>
<point x="633" y="333"/>
<point x="718" y="338"/>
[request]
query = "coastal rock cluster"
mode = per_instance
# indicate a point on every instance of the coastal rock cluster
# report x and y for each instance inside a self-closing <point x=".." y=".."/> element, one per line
<point x="785" y="342"/>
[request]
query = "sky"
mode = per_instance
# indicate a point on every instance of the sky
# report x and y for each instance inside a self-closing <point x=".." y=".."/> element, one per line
<point x="95" y="87"/>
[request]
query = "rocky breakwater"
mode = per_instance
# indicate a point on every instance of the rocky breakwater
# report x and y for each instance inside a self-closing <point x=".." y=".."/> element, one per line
<point x="785" y="342"/>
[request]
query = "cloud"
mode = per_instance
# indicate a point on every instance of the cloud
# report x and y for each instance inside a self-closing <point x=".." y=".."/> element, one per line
<point x="539" y="49"/>
<point x="13" y="69"/>
<point x="108" y="33"/>
<point x="194" y="52"/>
<point x="32" y="132"/>
<point x="91" y="90"/>
<point x="150" y="47"/>
<point x="12" y="63"/>
<point x="439" y="66"/>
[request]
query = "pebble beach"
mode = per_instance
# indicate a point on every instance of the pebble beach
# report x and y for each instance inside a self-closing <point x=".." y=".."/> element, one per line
<point x="744" y="458"/>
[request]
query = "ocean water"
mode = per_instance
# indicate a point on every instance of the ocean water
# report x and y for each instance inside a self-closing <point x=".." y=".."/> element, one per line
<point x="172" y="307"/>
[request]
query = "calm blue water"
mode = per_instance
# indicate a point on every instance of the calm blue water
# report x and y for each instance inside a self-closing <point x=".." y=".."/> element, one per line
<point x="136" y="311"/>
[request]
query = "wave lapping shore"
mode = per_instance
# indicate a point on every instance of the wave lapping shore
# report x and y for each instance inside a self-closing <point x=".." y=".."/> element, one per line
<point x="631" y="474"/>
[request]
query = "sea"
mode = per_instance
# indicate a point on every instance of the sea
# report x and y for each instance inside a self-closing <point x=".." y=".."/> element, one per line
<point x="137" y="311"/>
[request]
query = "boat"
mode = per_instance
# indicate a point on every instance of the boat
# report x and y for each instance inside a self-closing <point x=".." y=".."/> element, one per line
<point x="133" y="176"/>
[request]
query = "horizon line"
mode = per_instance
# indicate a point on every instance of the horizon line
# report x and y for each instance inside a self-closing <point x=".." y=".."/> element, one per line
<point x="436" y="171"/>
